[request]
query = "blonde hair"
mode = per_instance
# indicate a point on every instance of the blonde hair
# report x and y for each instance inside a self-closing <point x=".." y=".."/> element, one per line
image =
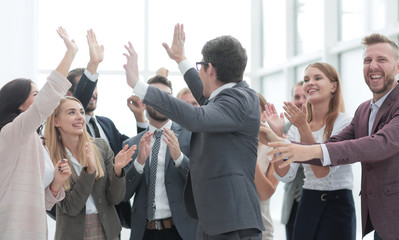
<point x="336" y="104"/>
<point x="379" y="38"/>
<point x="57" y="149"/>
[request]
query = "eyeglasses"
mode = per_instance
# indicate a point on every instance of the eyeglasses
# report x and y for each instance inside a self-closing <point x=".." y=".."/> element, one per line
<point x="198" y="65"/>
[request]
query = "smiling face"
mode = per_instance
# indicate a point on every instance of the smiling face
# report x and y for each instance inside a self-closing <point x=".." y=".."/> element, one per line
<point x="379" y="68"/>
<point x="31" y="98"/>
<point x="70" y="120"/>
<point x="317" y="87"/>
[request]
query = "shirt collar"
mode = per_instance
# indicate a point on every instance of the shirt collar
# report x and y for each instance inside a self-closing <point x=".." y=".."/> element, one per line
<point x="224" y="86"/>
<point x="168" y="124"/>
<point x="380" y="101"/>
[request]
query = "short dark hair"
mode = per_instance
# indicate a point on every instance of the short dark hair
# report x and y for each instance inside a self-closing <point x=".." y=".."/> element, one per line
<point x="160" y="79"/>
<point x="77" y="72"/>
<point x="227" y="56"/>
<point x="12" y="96"/>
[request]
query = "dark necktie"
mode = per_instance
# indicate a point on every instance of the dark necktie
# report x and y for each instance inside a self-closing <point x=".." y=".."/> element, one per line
<point x="96" y="131"/>
<point x="153" y="175"/>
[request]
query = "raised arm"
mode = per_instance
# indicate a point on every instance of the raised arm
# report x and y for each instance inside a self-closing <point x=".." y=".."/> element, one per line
<point x="72" y="49"/>
<point x="176" y="51"/>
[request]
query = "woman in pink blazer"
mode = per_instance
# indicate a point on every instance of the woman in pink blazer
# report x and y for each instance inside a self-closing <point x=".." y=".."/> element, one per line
<point x="23" y="197"/>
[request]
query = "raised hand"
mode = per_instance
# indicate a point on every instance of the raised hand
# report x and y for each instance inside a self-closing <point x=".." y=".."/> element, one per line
<point x="176" y="51"/>
<point x="275" y="121"/>
<point x="123" y="158"/>
<point x="137" y="107"/>
<point x="96" y="52"/>
<point x="173" y="143"/>
<point x="72" y="48"/>
<point x="131" y="68"/>
<point x="70" y="44"/>
<point x="91" y="165"/>
<point x="144" y="148"/>
<point x="295" y="115"/>
<point x="267" y="135"/>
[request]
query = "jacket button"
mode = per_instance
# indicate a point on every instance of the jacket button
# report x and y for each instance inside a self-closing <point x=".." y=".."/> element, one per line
<point x="99" y="200"/>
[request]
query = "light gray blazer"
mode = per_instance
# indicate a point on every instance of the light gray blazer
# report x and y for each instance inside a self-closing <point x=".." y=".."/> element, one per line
<point x="106" y="192"/>
<point x="220" y="190"/>
<point x="175" y="178"/>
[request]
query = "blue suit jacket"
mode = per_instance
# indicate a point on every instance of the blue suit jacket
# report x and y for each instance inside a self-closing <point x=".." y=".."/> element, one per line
<point x="175" y="178"/>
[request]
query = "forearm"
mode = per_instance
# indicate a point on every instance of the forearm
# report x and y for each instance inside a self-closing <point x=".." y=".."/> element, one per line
<point x="65" y="64"/>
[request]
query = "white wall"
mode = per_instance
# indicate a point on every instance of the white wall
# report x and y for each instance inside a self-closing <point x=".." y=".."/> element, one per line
<point x="18" y="40"/>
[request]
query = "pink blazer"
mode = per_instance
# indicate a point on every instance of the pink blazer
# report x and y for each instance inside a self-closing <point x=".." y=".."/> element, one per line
<point x="379" y="157"/>
<point x="22" y="194"/>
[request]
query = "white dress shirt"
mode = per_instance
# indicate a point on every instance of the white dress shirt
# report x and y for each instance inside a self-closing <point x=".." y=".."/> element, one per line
<point x="339" y="177"/>
<point x="90" y="206"/>
<point x="161" y="199"/>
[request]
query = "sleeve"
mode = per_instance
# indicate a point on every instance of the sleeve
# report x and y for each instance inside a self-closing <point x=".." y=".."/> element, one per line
<point x="76" y="197"/>
<point x="115" y="185"/>
<point x="133" y="178"/>
<point x="26" y="123"/>
<point x="84" y="90"/>
<point x="291" y="174"/>
<point x="50" y="200"/>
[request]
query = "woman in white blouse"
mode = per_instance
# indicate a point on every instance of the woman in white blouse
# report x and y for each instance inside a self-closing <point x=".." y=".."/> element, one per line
<point x="326" y="209"/>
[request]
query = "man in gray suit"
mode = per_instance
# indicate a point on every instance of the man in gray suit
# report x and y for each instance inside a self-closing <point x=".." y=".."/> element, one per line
<point x="220" y="189"/>
<point x="169" y="220"/>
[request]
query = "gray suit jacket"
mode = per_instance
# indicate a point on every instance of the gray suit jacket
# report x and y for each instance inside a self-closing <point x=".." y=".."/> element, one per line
<point x="292" y="192"/>
<point x="175" y="178"/>
<point x="221" y="190"/>
<point x="106" y="191"/>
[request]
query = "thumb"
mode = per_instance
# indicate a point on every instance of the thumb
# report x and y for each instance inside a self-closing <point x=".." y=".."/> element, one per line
<point x="167" y="48"/>
<point x="304" y="107"/>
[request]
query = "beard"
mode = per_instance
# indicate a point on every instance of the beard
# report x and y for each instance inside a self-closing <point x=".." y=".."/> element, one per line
<point x="389" y="79"/>
<point x="156" y="115"/>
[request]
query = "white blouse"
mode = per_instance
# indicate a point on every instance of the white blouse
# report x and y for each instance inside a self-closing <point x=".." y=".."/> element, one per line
<point x="339" y="177"/>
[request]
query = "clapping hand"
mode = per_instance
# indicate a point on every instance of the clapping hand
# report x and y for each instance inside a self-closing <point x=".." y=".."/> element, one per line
<point x="123" y="158"/>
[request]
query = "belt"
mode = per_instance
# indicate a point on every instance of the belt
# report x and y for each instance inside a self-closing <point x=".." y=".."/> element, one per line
<point x="160" y="224"/>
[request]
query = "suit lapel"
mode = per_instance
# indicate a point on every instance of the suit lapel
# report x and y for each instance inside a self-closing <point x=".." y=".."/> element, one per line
<point x="386" y="105"/>
<point x="176" y="129"/>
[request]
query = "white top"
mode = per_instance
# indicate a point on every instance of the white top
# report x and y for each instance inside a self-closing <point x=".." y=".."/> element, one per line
<point x="339" y="177"/>
<point x="90" y="205"/>
<point x="162" y="209"/>
<point x="264" y="162"/>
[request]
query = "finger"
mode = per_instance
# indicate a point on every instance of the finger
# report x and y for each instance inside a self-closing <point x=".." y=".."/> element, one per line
<point x="281" y="116"/>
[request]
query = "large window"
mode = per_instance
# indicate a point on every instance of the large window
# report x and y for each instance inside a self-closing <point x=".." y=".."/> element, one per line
<point x="147" y="24"/>
<point x="309" y="26"/>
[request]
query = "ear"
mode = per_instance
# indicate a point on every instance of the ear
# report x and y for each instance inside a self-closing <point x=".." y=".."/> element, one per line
<point x="334" y="87"/>
<point x="56" y="123"/>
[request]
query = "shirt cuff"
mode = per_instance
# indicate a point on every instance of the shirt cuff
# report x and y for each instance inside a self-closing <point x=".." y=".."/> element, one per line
<point x="140" y="89"/>
<point x="142" y="125"/>
<point x="326" y="161"/>
<point x="91" y="77"/>
<point x="179" y="160"/>
<point x="138" y="166"/>
<point x="184" y="66"/>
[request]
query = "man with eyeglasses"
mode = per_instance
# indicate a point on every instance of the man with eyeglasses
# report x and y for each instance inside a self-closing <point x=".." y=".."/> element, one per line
<point x="220" y="189"/>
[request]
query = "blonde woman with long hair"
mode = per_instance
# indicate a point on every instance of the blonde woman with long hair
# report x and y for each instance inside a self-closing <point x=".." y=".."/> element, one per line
<point x="326" y="209"/>
<point x="96" y="184"/>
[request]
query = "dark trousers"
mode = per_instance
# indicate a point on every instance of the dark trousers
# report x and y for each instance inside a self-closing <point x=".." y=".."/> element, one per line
<point x="244" y="234"/>
<point x="163" y="234"/>
<point x="325" y="215"/>
<point x="289" y="227"/>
